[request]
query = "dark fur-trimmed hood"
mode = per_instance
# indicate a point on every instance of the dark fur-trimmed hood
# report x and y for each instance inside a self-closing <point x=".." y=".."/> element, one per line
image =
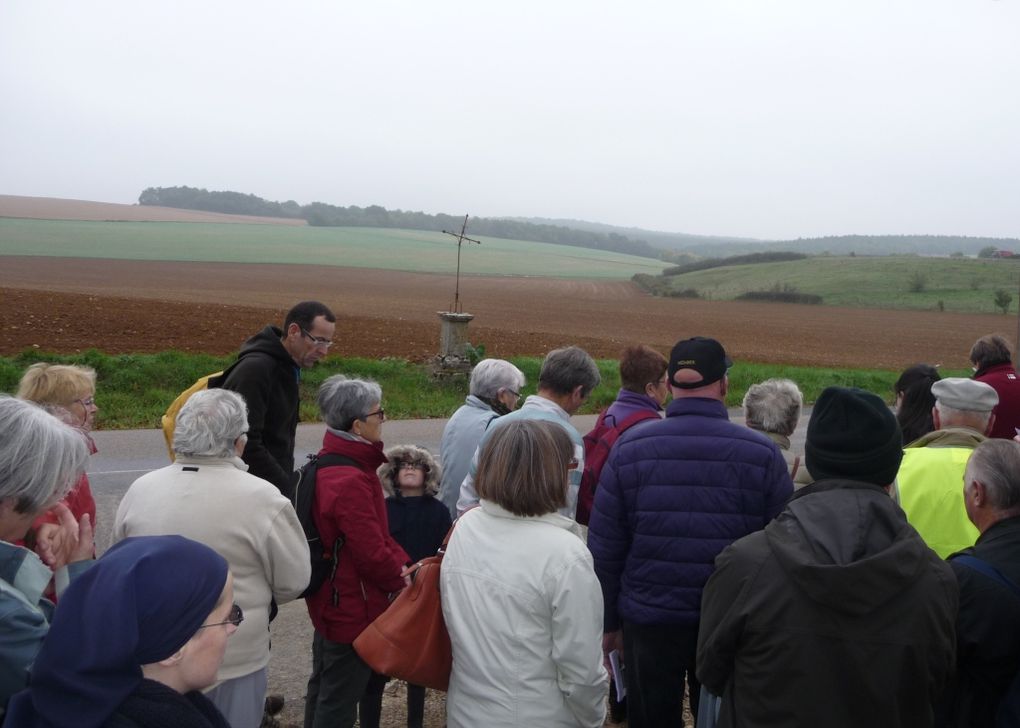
<point x="388" y="471"/>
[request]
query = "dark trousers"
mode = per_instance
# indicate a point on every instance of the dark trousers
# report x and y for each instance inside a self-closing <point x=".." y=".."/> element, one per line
<point x="371" y="703"/>
<point x="337" y="683"/>
<point x="657" y="658"/>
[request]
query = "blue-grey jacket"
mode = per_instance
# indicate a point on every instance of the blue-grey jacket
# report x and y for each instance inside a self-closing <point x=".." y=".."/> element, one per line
<point x="461" y="436"/>
<point x="24" y="613"/>
<point x="672" y="495"/>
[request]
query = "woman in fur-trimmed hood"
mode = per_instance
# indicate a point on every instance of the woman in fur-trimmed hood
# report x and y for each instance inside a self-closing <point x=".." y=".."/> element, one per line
<point x="389" y="472"/>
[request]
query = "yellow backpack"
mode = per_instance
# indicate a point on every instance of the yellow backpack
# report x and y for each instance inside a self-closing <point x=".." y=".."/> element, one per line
<point x="169" y="419"/>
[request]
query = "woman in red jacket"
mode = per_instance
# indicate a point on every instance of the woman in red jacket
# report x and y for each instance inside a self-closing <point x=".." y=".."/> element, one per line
<point x="349" y="506"/>
<point x="70" y="392"/>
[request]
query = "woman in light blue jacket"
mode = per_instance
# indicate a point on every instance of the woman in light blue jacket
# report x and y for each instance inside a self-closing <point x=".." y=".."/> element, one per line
<point x="495" y="390"/>
<point x="40" y="459"/>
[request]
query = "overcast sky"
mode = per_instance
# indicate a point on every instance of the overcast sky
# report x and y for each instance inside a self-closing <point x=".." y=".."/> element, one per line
<point x="759" y="118"/>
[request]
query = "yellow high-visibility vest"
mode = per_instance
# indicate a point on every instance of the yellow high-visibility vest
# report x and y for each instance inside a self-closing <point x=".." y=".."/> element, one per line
<point x="931" y="494"/>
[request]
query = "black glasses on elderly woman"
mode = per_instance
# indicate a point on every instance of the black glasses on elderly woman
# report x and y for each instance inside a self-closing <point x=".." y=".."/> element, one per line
<point x="235" y="618"/>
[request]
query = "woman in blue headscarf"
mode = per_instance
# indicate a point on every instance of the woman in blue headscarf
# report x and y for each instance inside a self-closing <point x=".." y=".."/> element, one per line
<point x="134" y="640"/>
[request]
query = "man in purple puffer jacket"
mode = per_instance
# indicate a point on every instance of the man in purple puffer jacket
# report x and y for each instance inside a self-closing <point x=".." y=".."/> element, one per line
<point x="672" y="495"/>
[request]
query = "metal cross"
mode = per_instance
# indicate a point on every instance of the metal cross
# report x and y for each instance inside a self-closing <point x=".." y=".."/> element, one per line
<point x="460" y="240"/>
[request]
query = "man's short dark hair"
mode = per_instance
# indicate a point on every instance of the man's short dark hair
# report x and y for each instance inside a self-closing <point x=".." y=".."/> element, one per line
<point x="564" y="370"/>
<point x="641" y="365"/>
<point x="990" y="350"/>
<point x="304" y="313"/>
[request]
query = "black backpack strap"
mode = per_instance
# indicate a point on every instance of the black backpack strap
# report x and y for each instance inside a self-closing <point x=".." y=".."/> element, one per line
<point x="983" y="567"/>
<point x="331" y="459"/>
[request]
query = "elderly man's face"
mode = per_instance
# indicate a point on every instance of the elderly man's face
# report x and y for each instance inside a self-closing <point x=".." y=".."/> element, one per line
<point x="307" y="346"/>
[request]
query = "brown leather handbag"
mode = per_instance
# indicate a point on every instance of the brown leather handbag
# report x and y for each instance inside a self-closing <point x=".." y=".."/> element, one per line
<point x="409" y="640"/>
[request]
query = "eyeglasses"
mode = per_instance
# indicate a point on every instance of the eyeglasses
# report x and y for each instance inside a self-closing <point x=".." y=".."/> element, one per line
<point x="414" y="466"/>
<point x="516" y="394"/>
<point x="381" y="412"/>
<point x="317" y="340"/>
<point x="87" y="402"/>
<point x="235" y="618"/>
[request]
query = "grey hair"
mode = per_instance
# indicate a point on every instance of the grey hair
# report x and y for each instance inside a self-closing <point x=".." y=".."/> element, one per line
<point x="773" y="406"/>
<point x="996" y="463"/>
<point x="209" y="424"/>
<point x="491" y="375"/>
<point x="952" y="417"/>
<point x="41" y="458"/>
<point x="566" y="369"/>
<point x="342" y="400"/>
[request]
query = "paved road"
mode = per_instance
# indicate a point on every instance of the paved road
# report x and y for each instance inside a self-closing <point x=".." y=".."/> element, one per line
<point x="125" y="455"/>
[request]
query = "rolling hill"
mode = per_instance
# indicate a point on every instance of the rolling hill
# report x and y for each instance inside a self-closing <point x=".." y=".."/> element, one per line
<point x="901" y="282"/>
<point x="384" y="248"/>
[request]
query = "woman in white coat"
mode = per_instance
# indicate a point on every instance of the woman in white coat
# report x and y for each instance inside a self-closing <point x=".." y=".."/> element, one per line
<point x="520" y="597"/>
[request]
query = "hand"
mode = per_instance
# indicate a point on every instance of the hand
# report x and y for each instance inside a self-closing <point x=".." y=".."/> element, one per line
<point x="67" y="540"/>
<point x="86" y="548"/>
<point x="611" y="641"/>
<point x="50" y="543"/>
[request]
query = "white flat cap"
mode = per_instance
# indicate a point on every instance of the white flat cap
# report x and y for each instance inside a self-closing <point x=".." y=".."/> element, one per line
<point x="965" y="394"/>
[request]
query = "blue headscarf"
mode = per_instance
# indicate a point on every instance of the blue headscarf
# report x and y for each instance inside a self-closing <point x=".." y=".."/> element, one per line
<point x="138" y="604"/>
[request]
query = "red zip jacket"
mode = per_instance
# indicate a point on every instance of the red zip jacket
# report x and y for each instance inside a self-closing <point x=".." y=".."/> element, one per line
<point x="349" y="500"/>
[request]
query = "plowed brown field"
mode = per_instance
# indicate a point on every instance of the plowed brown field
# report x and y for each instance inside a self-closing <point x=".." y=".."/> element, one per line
<point x="64" y="304"/>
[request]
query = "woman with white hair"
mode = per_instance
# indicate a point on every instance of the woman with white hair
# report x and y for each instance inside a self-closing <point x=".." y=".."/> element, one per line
<point x="495" y="390"/>
<point x="773" y="408"/>
<point x="351" y="517"/>
<point x="207" y="495"/>
<point x="40" y="459"/>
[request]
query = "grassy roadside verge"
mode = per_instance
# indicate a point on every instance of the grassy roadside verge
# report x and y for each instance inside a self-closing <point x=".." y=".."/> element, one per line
<point x="135" y="389"/>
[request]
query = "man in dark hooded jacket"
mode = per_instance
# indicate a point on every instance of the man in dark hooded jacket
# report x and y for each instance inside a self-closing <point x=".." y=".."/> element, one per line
<point x="837" y="613"/>
<point x="267" y="373"/>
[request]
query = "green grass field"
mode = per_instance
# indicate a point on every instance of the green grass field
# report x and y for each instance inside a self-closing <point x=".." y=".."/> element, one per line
<point x="406" y="250"/>
<point x="962" y="284"/>
<point x="135" y="389"/>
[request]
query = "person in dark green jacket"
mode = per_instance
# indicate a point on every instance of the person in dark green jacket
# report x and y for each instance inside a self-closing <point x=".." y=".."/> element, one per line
<point x="836" y="614"/>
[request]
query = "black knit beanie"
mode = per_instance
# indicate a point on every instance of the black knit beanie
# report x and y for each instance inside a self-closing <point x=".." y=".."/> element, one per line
<point x="853" y="434"/>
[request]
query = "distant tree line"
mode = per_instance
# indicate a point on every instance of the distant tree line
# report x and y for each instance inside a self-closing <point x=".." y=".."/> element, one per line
<point x="892" y="244"/>
<point x="232" y="203"/>
<point x="750" y="258"/>
<point x="325" y="215"/>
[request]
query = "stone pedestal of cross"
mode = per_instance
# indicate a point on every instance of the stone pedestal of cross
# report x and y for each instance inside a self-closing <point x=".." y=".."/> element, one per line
<point x="453" y="359"/>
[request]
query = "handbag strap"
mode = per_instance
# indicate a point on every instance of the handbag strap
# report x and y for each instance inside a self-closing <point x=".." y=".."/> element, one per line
<point x="446" y="540"/>
<point x="437" y="559"/>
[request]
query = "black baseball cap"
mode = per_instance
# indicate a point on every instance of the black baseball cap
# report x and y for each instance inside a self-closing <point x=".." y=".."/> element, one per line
<point x="704" y="355"/>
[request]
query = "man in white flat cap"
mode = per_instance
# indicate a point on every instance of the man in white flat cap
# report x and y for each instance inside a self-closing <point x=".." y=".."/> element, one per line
<point x="931" y="473"/>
